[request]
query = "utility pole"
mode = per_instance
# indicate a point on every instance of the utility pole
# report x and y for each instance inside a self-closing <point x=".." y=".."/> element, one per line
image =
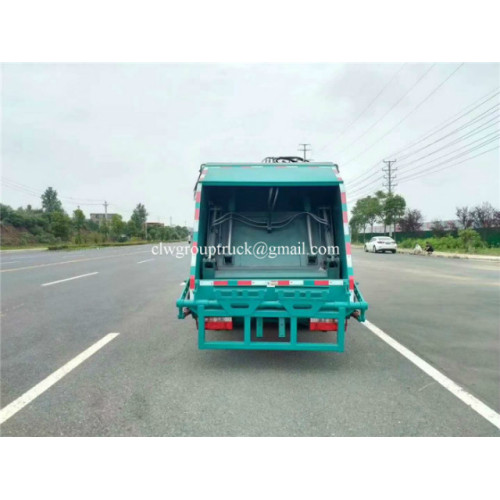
<point x="304" y="150"/>
<point x="106" y="210"/>
<point x="170" y="220"/>
<point x="389" y="176"/>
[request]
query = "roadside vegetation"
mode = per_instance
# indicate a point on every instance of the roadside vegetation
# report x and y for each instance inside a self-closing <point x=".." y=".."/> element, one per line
<point x="50" y="226"/>
<point x="467" y="241"/>
<point x="475" y="230"/>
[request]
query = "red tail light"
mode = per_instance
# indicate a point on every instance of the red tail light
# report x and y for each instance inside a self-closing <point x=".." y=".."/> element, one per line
<point x="217" y="323"/>
<point x="324" y="325"/>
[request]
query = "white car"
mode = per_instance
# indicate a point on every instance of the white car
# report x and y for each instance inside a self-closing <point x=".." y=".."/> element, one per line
<point x="381" y="244"/>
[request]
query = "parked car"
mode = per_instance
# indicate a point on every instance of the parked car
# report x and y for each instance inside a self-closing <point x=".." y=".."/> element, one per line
<point x="381" y="244"/>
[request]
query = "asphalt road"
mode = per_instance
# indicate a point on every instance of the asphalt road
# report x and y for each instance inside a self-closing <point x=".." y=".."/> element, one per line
<point x="151" y="380"/>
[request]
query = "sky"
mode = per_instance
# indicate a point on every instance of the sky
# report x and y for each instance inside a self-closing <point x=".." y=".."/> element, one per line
<point x="137" y="133"/>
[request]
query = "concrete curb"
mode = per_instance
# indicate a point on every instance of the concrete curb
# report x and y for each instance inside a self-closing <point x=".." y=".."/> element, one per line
<point x="446" y="255"/>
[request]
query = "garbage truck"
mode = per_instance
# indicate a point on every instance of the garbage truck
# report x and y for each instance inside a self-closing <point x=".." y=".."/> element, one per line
<point x="271" y="264"/>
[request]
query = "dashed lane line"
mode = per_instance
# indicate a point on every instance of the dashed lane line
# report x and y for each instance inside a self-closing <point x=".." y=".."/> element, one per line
<point x="69" y="279"/>
<point x="72" y="261"/>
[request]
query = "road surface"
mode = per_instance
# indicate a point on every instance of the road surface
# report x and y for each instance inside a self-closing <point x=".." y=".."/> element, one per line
<point x="151" y="379"/>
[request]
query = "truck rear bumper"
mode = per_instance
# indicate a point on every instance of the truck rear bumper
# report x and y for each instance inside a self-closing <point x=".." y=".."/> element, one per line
<point x="253" y="310"/>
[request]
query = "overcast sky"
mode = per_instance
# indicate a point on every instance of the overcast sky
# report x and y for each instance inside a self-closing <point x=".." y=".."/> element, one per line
<point x="137" y="133"/>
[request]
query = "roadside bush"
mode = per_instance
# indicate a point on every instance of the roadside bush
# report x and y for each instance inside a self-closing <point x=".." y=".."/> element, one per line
<point x="470" y="240"/>
<point x="467" y="241"/>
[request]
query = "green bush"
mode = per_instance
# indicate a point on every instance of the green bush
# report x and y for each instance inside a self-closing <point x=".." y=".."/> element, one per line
<point x="468" y="240"/>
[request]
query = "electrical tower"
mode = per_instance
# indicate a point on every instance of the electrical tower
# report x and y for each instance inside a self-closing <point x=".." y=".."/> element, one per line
<point x="389" y="176"/>
<point x="304" y="149"/>
<point x="389" y="183"/>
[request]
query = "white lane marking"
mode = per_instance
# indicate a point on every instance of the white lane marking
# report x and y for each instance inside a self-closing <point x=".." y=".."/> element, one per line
<point x="18" y="404"/>
<point x="71" y="261"/>
<point x="478" y="406"/>
<point x="142" y="261"/>
<point x="69" y="279"/>
<point x="9" y="261"/>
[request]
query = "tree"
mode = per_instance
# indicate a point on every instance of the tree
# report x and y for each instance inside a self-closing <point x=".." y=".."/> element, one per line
<point x="138" y="219"/>
<point x="373" y="210"/>
<point x="78" y="223"/>
<point x="470" y="239"/>
<point x="50" y="201"/>
<point x="438" y="228"/>
<point x="496" y="218"/>
<point x="411" y="221"/>
<point x="393" y="209"/>
<point x="464" y="217"/>
<point x="382" y="196"/>
<point x="117" y="226"/>
<point x="483" y="215"/>
<point x="60" y="225"/>
<point x="366" y="211"/>
<point x="356" y="224"/>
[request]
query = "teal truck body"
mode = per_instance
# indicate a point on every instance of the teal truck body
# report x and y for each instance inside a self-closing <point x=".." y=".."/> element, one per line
<point x="282" y="263"/>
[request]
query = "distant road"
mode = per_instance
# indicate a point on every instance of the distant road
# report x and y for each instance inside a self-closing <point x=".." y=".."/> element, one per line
<point x="91" y="346"/>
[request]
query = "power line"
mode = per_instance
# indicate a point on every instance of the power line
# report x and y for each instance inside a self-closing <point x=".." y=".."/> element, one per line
<point x="421" y="174"/>
<point x="471" y="132"/>
<point x="407" y="115"/>
<point x="367" y="107"/>
<point x="40" y="192"/>
<point x="363" y="188"/>
<point x="454" y="118"/>
<point x="359" y="178"/>
<point x="431" y="168"/>
<point x="389" y="110"/>
<point x="448" y="145"/>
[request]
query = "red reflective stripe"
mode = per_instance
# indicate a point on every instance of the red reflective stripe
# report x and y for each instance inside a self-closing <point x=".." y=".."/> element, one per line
<point x="321" y="283"/>
<point x="343" y="197"/>
<point x="244" y="283"/>
<point x="198" y="196"/>
<point x="344" y="214"/>
<point x="339" y="178"/>
<point x="284" y="283"/>
<point x="197" y="214"/>
<point x="351" y="282"/>
<point x="348" y="248"/>
<point x="191" y="282"/>
<point x="220" y="283"/>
